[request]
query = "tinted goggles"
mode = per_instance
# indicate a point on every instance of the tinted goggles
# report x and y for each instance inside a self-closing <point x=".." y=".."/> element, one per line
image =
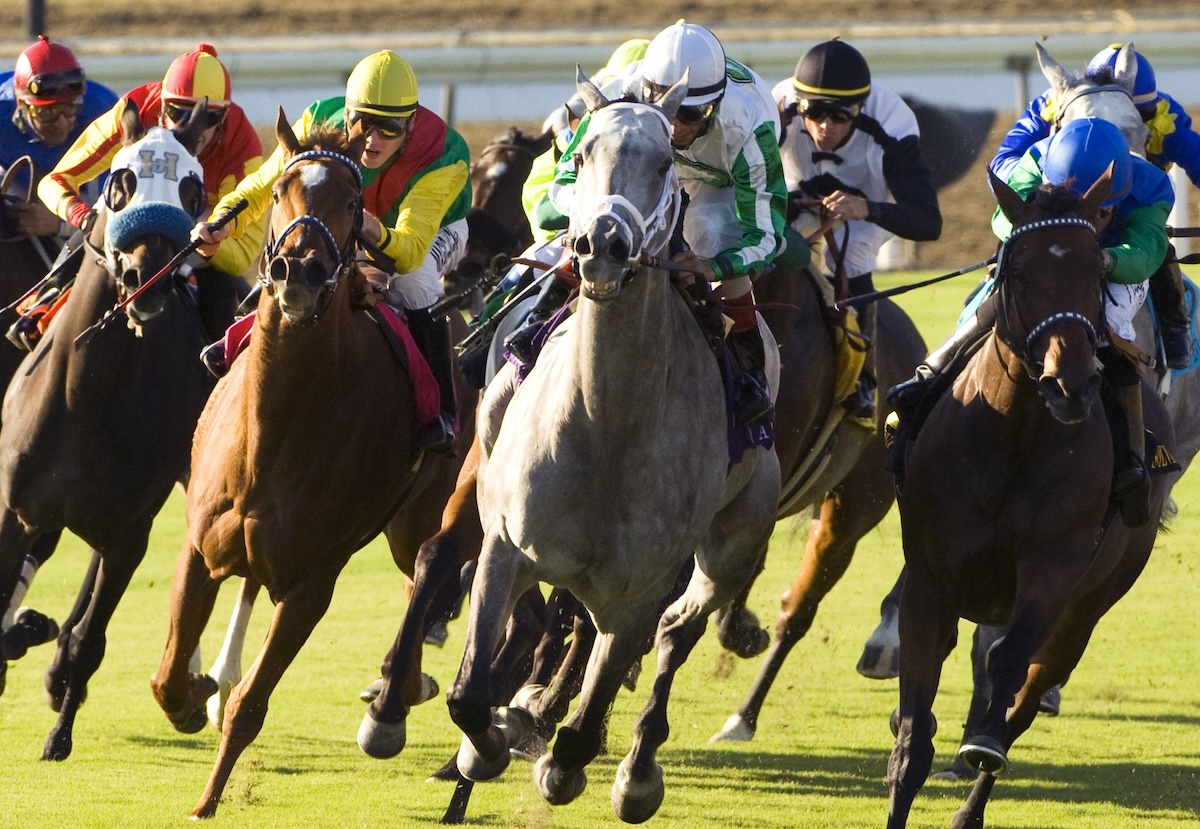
<point x="177" y="113"/>
<point x="50" y="113"/>
<point x="388" y="128"/>
<point x="694" y="114"/>
<point x="69" y="84"/>
<point x="837" y="115"/>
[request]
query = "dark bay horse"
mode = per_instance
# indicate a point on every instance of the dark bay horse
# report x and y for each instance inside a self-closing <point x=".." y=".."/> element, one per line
<point x="303" y="454"/>
<point x="97" y="432"/>
<point x="606" y="480"/>
<point x="498" y="228"/>
<point x="1005" y="507"/>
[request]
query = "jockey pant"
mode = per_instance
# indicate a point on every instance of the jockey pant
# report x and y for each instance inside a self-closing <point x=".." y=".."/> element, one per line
<point x="1121" y="305"/>
<point x="422" y="287"/>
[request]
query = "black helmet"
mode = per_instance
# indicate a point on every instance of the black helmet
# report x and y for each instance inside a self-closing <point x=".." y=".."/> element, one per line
<point x="832" y="71"/>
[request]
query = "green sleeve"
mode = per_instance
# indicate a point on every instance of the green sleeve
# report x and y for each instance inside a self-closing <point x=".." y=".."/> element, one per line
<point x="1025" y="177"/>
<point x="1143" y="245"/>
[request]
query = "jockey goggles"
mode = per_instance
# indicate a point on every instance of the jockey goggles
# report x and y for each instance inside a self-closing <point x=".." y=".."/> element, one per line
<point x="49" y="113"/>
<point x="388" y="128"/>
<point x="818" y="111"/>
<point x="177" y="112"/>
<point x="695" y="114"/>
<point x="67" y="84"/>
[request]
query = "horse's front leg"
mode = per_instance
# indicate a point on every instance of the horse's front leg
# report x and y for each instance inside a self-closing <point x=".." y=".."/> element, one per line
<point x="87" y="640"/>
<point x="488" y="735"/>
<point x="296" y="614"/>
<point x="180" y="693"/>
<point x="226" y="671"/>
<point x="14" y="554"/>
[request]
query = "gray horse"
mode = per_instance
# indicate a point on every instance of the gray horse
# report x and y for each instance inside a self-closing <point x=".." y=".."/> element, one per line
<point x="607" y="469"/>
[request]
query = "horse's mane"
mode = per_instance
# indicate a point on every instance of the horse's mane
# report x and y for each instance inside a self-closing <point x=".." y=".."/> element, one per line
<point x="1103" y="76"/>
<point x="325" y="137"/>
<point x="1057" y="200"/>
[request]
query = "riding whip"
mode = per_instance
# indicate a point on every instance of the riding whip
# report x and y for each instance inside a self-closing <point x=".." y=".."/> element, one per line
<point x="903" y="289"/>
<point x="179" y="258"/>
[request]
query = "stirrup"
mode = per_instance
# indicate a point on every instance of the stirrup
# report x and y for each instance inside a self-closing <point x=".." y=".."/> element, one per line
<point x="905" y="397"/>
<point x="1177" y="347"/>
<point x="1131" y="493"/>
<point x="439" y="436"/>
<point x="861" y="404"/>
<point x="754" y="406"/>
<point x="215" y="360"/>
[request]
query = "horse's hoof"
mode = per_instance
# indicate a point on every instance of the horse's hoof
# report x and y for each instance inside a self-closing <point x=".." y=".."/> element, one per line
<point x="894" y="723"/>
<point x="437" y="634"/>
<point x="879" y="661"/>
<point x="58" y="746"/>
<point x="984" y="753"/>
<point x="531" y="748"/>
<point x="193" y="723"/>
<point x="1051" y="702"/>
<point x="741" y="634"/>
<point x="528" y="697"/>
<point x="381" y="740"/>
<point x="473" y="766"/>
<point x="736" y="729"/>
<point x="372" y="691"/>
<point x="3" y="675"/>
<point x="557" y="789"/>
<point x="448" y="773"/>
<point x="429" y="689"/>
<point x="956" y="772"/>
<point x="636" y="801"/>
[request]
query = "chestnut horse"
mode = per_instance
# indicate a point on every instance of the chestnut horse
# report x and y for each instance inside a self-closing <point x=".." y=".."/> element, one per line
<point x="1005" y="509"/>
<point x="96" y="432"/>
<point x="287" y="481"/>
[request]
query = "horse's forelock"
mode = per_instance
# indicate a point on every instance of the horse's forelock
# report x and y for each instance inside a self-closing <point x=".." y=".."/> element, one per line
<point x="1056" y="200"/>
<point x="324" y="137"/>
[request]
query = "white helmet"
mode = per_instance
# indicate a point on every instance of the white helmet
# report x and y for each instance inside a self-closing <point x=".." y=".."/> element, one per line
<point x="684" y="47"/>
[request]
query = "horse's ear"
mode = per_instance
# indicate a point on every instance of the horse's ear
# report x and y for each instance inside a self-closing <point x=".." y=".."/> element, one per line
<point x="542" y="142"/>
<point x="1010" y="203"/>
<point x="592" y="97"/>
<point x="189" y="131"/>
<point x="131" y="124"/>
<point x="670" y="103"/>
<point x="1125" y="71"/>
<point x="1094" y="198"/>
<point x="1059" y="78"/>
<point x="284" y="135"/>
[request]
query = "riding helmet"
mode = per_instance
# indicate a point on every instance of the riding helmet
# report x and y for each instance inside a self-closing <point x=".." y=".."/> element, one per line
<point x="382" y="84"/>
<point x="197" y="75"/>
<point x="47" y="73"/>
<point x="1145" y="89"/>
<point x="833" y="72"/>
<point x="684" y="47"/>
<point x="1081" y="151"/>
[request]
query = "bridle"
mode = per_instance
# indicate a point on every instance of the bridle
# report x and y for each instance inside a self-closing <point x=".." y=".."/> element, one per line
<point x="342" y="254"/>
<point x="660" y="221"/>
<point x="1024" y="353"/>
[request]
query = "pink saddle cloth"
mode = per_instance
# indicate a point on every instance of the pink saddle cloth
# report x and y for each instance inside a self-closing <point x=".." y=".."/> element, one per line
<point x="427" y="399"/>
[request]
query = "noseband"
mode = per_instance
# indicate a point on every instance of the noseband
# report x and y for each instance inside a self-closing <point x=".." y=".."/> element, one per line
<point x="343" y="256"/>
<point x="1003" y="266"/>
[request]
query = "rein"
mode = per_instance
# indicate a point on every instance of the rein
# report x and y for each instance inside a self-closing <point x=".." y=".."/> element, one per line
<point x="1062" y="106"/>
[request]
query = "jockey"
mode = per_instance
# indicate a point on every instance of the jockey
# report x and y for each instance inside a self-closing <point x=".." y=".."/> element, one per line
<point x="726" y="141"/>
<point x="228" y="150"/>
<point x="416" y="193"/>
<point x="1133" y="235"/>
<point x="856" y="150"/>
<point x="44" y="105"/>
<point x="1171" y="140"/>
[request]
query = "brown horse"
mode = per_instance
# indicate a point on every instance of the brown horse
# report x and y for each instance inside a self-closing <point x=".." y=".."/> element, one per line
<point x="287" y="483"/>
<point x="1005" y="507"/>
<point x="96" y="432"/>
<point x="497" y="224"/>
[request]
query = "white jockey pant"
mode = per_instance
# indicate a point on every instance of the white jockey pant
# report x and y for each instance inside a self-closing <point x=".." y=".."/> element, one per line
<point x="422" y="287"/>
<point x="1123" y="306"/>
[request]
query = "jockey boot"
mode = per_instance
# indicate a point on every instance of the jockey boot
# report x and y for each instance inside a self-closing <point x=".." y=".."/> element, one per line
<point x="1131" y="481"/>
<point x="861" y="404"/>
<point x="432" y="336"/>
<point x="1167" y="294"/>
<point x="905" y="397"/>
<point x="216" y="300"/>
<point x="553" y="294"/>
<point x="753" y="406"/>
<point x="214" y="358"/>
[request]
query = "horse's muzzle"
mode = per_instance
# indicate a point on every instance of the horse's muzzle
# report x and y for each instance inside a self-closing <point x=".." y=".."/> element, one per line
<point x="604" y="252"/>
<point x="1069" y="403"/>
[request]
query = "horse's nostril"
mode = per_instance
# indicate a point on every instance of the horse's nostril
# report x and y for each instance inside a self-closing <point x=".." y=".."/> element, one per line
<point x="619" y="250"/>
<point x="314" y="272"/>
<point x="278" y="269"/>
<point x="583" y="246"/>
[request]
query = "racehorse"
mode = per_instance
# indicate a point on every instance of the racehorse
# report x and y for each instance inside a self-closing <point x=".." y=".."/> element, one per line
<point x="495" y="229"/>
<point x="97" y="428"/>
<point x="286" y="494"/>
<point x="1109" y="97"/>
<point x="565" y="498"/>
<point x="1005" y="509"/>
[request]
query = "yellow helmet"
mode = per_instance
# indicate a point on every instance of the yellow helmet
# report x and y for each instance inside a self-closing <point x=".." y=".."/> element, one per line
<point x="382" y="84"/>
<point x="196" y="75"/>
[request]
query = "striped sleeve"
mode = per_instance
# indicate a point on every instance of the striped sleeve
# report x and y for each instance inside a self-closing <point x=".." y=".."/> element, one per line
<point x="760" y="200"/>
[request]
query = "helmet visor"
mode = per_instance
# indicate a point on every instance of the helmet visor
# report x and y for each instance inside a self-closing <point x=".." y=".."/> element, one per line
<point x="695" y="114"/>
<point x="49" y="113"/>
<point x="177" y="112"/>
<point x="58" y="85"/>
<point x="838" y="112"/>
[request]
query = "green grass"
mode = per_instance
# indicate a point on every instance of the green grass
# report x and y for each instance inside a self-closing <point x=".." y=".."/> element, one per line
<point x="1125" y="753"/>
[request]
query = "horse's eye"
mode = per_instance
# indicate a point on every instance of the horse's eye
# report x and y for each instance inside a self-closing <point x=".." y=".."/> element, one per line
<point x="665" y="168"/>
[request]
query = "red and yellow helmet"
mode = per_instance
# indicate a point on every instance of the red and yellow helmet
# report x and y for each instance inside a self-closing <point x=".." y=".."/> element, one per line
<point x="47" y="73"/>
<point x="197" y="75"/>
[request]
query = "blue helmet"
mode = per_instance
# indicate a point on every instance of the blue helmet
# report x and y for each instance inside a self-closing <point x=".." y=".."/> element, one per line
<point x="1145" y="89"/>
<point x="1081" y="151"/>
